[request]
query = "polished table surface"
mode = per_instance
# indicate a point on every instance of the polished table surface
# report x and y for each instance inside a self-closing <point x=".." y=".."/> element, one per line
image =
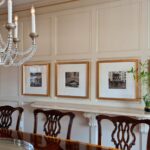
<point x="41" y="142"/>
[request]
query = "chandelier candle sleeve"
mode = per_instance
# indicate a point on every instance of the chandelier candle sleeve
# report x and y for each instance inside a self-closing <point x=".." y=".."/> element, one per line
<point x="9" y="11"/>
<point x="33" y="19"/>
<point x="16" y="27"/>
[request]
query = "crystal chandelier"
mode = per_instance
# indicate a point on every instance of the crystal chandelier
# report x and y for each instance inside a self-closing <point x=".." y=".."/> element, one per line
<point x="10" y="55"/>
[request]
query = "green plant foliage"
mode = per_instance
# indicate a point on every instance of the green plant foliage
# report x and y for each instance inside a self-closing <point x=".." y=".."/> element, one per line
<point x="146" y="99"/>
<point x="144" y="76"/>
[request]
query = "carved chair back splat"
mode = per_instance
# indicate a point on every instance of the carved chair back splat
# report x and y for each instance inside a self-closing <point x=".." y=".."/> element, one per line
<point x="6" y="113"/>
<point x="52" y="125"/>
<point x="123" y="135"/>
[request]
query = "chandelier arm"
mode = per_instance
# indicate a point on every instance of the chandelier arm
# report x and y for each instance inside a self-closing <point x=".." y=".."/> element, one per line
<point x="12" y="57"/>
<point x="18" y="61"/>
<point x="25" y="52"/>
<point x="7" y="56"/>
<point x="5" y="46"/>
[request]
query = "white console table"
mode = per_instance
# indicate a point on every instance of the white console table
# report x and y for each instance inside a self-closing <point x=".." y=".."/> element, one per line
<point x="90" y="111"/>
<point x="93" y="109"/>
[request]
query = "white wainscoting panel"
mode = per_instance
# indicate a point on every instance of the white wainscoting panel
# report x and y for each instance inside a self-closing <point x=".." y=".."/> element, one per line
<point x="118" y="27"/>
<point x="9" y="82"/>
<point x="73" y="32"/>
<point x="44" y="29"/>
<point x="26" y="31"/>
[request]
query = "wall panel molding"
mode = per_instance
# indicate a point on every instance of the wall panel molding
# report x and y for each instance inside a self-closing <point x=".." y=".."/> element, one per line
<point x="118" y="27"/>
<point x="74" y="32"/>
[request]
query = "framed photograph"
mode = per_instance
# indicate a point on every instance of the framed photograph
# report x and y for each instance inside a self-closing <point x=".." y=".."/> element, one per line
<point x="114" y="82"/>
<point x="72" y="79"/>
<point x="36" y="79"/>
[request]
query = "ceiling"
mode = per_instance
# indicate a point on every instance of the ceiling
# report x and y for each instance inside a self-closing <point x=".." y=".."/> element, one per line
<point x="39" y="3"/>
<point x="26" y="1"/>
<point x="22" y="2"/>
<point x="21" y="5"/>
<point x="36" y="3"/>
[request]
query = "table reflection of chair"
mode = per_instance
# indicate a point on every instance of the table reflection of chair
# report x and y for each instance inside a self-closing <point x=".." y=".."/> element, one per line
<point x="72" y="146"/>
<point x="6" y="113"/>
<point x="53" y="144"/>
<point x="123" y="135"/>
<point x="46" y="143"/>
<point x="5" y="133"/>
<point x="52" y="125"/>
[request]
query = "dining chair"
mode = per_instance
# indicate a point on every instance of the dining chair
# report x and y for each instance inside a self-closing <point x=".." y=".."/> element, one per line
<point x="123" y="134"/>
<point x="6" y="117"/>
<point x="52" y="125"/>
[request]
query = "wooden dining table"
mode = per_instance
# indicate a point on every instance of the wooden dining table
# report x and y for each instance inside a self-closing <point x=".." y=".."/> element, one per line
<point x="41" y="142"/>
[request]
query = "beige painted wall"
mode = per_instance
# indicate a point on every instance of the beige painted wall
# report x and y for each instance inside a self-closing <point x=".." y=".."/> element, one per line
<point x="112" y="30"/>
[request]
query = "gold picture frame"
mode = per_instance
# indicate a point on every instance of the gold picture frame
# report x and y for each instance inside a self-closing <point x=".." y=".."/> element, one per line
<point x="114" y="82"/>
<point x="36" y="79"/>
<point x="72" y="79"/>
